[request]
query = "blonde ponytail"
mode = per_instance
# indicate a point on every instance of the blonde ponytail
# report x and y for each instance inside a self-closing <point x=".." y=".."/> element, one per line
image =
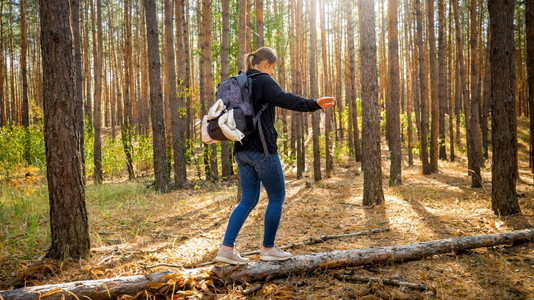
<point x="255" y="58"/>
<point x="248" y="61"/>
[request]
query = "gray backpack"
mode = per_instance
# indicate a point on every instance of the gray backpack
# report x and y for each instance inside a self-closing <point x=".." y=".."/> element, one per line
<point x="236" y="92"/>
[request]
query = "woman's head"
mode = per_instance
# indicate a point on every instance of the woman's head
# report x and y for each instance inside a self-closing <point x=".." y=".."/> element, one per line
<point x="262" y="58"/>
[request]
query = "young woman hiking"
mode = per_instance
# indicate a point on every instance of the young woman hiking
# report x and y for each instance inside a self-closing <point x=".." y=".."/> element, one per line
<point x="256" y="166"/>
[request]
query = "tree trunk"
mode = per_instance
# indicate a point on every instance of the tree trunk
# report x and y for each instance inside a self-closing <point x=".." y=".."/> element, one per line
<point x="316" y="118"/>
<point x="87" y="70"/>
<point x="451" y="76"/>
<point x="113" y="67"/>
<point x="156" y="100"/>
<point x="299" y="120"/>
<point x="3" y="99"/>
<point x="292" y="54"/>
<point x="242" y="31"/>
<point x="259" y="24"/>
<point x="434" y="88"/>
<point x="97" y="67"/>
<point x="25" y="108"/>
<point x="265" y="271"/>
<point x="145" y="77"/>
<point x="352" y="66"/>
<point x="410" y="79"/>
<point x="78" y="93"/>
<point x="371" y="160"/>
<point x="476" y="148"/>
<point x="206" y="80"/>
<point x="185" y="82"/>
<point x="393" y="113"/>
<point x="329" y="112"/>
<point x="519" y="65"/>
<point x="529" y="20"/>
<point x="340" y="76"/>
<point x="487" y="100"/>
<point x="126" y="129"/>
<point x="442" y="87"/>
<point x="423" y="91"/>
<point x="248" y="27"/>
<point x="462" y="83"/>
<point x="504" y="124"/>
<point x="68" y="214"/>
<point x="225" y="53"/>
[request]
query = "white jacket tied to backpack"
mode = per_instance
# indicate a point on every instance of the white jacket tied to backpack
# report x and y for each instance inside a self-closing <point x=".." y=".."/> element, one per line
<point x="225" y="121"/>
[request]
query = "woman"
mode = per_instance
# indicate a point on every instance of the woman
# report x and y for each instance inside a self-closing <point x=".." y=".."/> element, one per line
<point x="255" y="166"/>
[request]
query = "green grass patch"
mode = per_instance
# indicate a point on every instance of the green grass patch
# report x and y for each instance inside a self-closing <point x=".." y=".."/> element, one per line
<point x="25" y="220"/>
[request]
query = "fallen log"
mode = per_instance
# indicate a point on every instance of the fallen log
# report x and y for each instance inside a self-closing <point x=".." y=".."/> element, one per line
<point x="308" y="241"/>
<point x="356" y="257"/>
<point x="131" y="285"/>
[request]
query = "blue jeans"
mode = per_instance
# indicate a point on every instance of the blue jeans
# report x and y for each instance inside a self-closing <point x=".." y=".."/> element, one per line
<point x="255" y="168"/>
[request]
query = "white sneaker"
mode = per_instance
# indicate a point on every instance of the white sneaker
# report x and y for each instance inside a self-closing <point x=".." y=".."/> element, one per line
<point x="274" y="254"/>
<point x="230" y="257"/>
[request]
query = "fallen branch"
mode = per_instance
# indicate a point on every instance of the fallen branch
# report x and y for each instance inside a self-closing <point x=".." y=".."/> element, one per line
<point x="256" y="271"/>
<point x="253" y="289"/>
<point x="365" y="279"/>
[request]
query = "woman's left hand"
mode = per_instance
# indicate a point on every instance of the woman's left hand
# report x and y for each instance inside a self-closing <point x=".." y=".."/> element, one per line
<point x="326" y="102"/>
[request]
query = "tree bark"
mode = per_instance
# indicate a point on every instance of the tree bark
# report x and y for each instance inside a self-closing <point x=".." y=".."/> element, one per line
<point x="352" y="66"/>
<point x="25" y="108"/>
<point x="486" y="100"/>
<point x="264" y="271"/>
<point x="316" y="118"/>
<point x="206" y="83"/>
<point x="423" y="88"/>
<point x="260" y="37"/>
<point x="462" y="84"/>
<point x="156" y="100"/>
<point x="242" y="31"/>
<point x="451" y="62"/>
<point x="184" y="68"/>
<point x="434" y="82"/>
<point x="393" y="113"/>
<point x="475" y="158"/>
<point x="442" y="87"/>
<point x="529" y="20"/>
<point x="504" y="123"/>
<point x="177" y="138"/>
<point x="410" y="79"/>
<point x="371" y="160"/>
<point x="3" y="99"/>
<point x="97" y="67"/>
<point x="329" y="164"/>
<point x="126" y="129"/>
<point x="68" y="214"/>
<point x="226" y="156"/>
<point x="78" y="93"/>
<point x="87" y="69"/>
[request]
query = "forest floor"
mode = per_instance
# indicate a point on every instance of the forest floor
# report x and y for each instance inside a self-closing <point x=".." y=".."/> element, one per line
<point x="185" y="228"/>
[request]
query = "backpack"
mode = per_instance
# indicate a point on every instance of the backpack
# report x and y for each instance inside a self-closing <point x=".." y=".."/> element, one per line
<point x="232" y="117"/>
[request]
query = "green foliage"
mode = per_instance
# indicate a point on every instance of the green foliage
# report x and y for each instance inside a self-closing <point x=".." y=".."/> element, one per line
<point x="12" y="143"/>
<point x="113" y="157"/>
<point x="143" y="154"/>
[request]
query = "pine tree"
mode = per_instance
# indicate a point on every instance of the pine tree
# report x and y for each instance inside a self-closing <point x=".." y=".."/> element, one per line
<point x="68" y="214"/>
<point x="504" y="124"/>
<point x="371" y="161"/>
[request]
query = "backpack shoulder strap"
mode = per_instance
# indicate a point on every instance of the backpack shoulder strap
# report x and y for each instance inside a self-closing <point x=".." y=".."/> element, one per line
<point x="256" y="119"/>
